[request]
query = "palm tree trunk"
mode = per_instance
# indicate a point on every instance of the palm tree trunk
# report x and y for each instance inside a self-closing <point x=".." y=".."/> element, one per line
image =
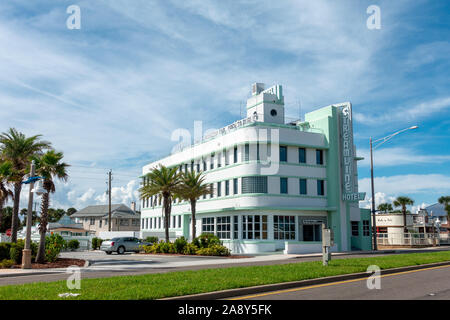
<point x="166" y="216"/>
<point x="1" y="215"/>
<point x="40" y="257"/>
<point x="193" y="202"/>
<point x="15" y="214"/>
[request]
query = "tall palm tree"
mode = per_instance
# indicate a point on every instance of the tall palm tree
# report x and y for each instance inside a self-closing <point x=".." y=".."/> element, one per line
<point x="17" y="148"/>
<point x="5" y="192"/>
<point x="403" y="202"/>
<point x="50" y="167"/>
<point x="191" y="188"/>
<point x="445" y="200"/>
<point x="163" y="182"/>
<point x="385" y="207"/>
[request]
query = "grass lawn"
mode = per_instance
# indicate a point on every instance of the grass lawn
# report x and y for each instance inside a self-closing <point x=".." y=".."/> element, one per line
<point x="154" y="286"/>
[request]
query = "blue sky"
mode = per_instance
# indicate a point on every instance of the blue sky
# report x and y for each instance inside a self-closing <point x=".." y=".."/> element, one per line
<point x="110" y="94"/>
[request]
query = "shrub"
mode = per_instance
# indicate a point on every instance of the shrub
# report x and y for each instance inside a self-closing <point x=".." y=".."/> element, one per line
<point x="5" y="247"/>
<point x="167" y="247"/>
<point x="96" y="243"/>
<point x="148" y="249"/>
<point x="152" y="239"/>
<point x="214" y="250"/>
<point x="53" y="246"/>
<point x="7" y="263"/>
<point x="15" y="251"/>
<point x="190" y="249"/>
<point x="206" y="240"/>
<point x="180" y="244"/>
<point x="73" y="244"/>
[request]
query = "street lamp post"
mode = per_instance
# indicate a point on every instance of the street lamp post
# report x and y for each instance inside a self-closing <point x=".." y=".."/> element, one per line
<point x="381" y="141"/>
<point x="26" y="255"/>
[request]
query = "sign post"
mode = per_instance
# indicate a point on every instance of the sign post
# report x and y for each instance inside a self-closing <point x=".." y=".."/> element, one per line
<point x="327" y="243"/>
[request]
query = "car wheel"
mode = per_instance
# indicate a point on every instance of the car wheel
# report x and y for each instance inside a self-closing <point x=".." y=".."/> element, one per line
<point x="108" y="252"/>
<point x="121" y="250"/>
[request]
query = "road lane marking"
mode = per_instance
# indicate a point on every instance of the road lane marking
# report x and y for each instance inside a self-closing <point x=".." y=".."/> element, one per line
<point x="331" y="284"/>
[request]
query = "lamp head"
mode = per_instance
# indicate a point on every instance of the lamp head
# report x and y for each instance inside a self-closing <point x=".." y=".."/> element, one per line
<point x="414" y="127"/>
<point x="39" y="189"/>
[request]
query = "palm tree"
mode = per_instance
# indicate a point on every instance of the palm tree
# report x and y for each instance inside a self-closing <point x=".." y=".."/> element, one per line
<point x="403" y="202"/>
<point x="49" y="166"/>
<point x="5" y="192"/>
<point x="445" y="200"/>
<point x="164" y="183"/>
<point x="193" y="187"/>
<point x="385" y="207"/>
<point x="17" y="148"/>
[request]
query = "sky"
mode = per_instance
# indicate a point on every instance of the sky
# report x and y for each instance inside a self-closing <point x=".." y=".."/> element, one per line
<point x="110" y="94"/>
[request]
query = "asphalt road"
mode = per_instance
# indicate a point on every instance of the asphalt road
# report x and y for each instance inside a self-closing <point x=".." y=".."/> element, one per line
<point x="103" y="265"/>
<point x="424" y="284"/>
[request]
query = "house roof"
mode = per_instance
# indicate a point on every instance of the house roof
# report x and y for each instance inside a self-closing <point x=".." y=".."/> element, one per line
<point x="437" y="210"/>
<point x="117" y="211"/>
<point x="65" y="222"/>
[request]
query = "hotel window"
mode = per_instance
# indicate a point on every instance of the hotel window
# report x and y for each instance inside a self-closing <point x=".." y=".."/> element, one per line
<point x="150" y="223"/>
<point x="208" y="225"/>
<point x="284" y="185"/>
<point x="257" y="151"/>
<point x="312" y="232"/>
<point x="284" y="227"/>
<point x="219" y="160"/>
<point x="179" y="221"/>
<point x="301" y="155"/>
<point x="254" y="227"/>
<point x="320" y="187"/>
<point x="159" y="222"/>
<point x="247" y="152"/>
<point x="146" y="223"/>
<point x="355" y="228"/>
<point x="225" y="154"/>
<point x="235" y="186"/>
<point x="236" y="227"/>
<point x="235" y="154"/>
<point x="227" y="187"/>
<point x="319" y="156"/>
<point x="219" y="189"/>
<point x="303" y="189"/>
<point x="224" y="227"/>
<point x="204" y="166"/>
<point x="185" y="168"/>
<point x="174" y="221"/>
<point x="283" y="154"/>
<point x="192" y="166"/>
<point x="198" y="167"/>
<point x="143" y="221"/>
<point x="254" y="185"/>
<point x="211" y="165"/>
<point x="211" y="194"/>
<point x="366" y="228"/>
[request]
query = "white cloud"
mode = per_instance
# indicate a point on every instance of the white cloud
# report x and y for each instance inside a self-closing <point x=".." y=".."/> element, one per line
<point x="385" y="157"/>
<point x="408" y="184"/>
<point x="124" y="194"/>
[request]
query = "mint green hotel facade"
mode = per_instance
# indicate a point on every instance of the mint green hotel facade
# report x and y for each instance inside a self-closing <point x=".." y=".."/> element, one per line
<point x="275" y="183"/>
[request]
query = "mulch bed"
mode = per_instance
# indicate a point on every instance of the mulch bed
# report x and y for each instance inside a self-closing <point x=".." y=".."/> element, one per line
<point x="60" y="263"/>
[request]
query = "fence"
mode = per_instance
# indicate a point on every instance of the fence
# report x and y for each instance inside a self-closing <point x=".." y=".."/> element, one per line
<point x="408" y="239"/>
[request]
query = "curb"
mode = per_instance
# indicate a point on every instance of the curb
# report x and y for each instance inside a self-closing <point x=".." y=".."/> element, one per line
<point x="216" y="295"/>
<point x="23" y="274"/>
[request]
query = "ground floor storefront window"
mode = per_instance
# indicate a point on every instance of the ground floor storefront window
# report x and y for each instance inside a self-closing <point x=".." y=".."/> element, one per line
<point x="310" y="228"/>
<point x="224" y="227"/>
<point x="208" y="225"/>
<point x="284" y="227"/>
<point x="254" y="227"/>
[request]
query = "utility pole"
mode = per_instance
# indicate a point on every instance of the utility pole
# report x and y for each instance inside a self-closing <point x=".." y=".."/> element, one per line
<point x="109" y="199"/>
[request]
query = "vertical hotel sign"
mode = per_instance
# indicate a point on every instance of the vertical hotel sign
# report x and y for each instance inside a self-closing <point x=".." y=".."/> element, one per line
<point x="349" y="192"/>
